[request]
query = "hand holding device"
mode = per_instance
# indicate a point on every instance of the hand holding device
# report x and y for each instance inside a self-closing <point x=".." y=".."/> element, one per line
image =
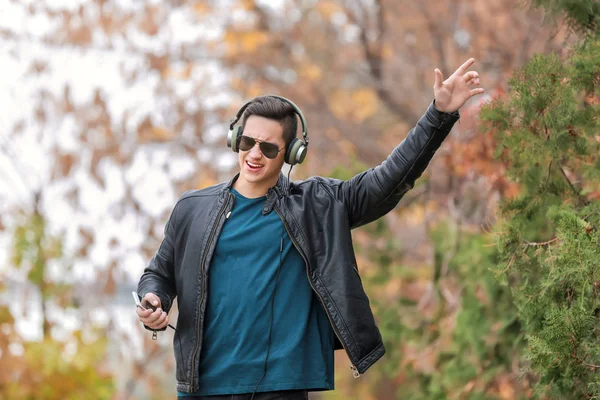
<point x="149" y="311"/>
<point x="146" y="302"/>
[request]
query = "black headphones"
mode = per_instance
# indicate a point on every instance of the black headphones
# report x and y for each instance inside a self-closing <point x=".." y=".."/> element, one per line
<point x="296" y="150"/>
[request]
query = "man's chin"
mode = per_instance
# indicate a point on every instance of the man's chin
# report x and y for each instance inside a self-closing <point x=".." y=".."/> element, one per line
<point x="259" y="178"/>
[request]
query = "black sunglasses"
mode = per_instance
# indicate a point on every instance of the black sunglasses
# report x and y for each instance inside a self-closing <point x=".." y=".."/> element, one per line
<point x="270" y="150"/>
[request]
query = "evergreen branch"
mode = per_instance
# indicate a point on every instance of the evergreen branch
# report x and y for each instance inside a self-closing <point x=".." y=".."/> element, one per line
<point x="587" y="364"/>
<point x="576" y="357"/>
<point x="511" y="261"/>
<point x="541" y="243"/>
<point x="572" y="186"/>
<point x="549" y="171"/>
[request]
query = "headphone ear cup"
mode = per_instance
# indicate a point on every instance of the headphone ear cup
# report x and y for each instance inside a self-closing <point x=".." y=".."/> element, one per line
<point x="296" y="152"/>
<point x="233" y="138"/>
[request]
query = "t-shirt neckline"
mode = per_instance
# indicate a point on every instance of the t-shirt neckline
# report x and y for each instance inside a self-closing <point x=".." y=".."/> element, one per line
<point x="242" y="197"/>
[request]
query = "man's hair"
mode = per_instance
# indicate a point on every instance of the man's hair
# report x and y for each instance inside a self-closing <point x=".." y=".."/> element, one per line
<point x="277" y="109"/>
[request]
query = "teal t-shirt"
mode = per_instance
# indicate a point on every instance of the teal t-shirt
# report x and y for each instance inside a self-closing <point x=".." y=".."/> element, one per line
<point x="236" y="326"/>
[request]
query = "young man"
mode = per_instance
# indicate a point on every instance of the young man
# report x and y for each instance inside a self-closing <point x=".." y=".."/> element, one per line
<point x="263" y="268"/>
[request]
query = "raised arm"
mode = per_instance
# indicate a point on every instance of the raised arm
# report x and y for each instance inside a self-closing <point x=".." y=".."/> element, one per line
<point x="373" y="193"/>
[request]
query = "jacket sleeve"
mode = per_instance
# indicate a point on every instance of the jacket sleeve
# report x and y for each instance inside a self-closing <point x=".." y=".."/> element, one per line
<point x="158" y="276"/>
<point x="373" y="193"/>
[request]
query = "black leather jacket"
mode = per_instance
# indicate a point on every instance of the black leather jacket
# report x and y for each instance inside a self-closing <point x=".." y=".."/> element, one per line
<point x="318" y="214"/>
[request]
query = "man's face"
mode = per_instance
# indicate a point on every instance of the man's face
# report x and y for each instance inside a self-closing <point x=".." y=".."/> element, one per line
<point x="255" y="168"/>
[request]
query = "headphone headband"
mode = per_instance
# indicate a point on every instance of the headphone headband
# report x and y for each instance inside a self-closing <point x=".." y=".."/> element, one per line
<point x="297" y="111"/>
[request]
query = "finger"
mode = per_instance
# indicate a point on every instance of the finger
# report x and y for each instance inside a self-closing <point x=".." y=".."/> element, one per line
<point x="152" y="299"/>
<point x="475" y="92"/>
<point x="439" y="78"/>
<point x="143" y="313"/>
<point x="152" y="318"/>
<point x="463" y="68"/>
<point x="160" y="322"/>
<point x="472" y="82"/>
<point x="470" y="75"/>
<point x="165" y="323"/>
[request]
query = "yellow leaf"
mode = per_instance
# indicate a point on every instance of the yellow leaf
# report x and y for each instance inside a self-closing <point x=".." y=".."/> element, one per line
<point x="356" y="105"/>
<point x="244" y="42"/>
<point x="339" y="104"/>
<point x="231" y="43"/>
<point x="247" y="5"/>
<point x="254" y="90"/>
<point x="310" y="72"/>
<point x="161" y="134"/>
<point x="201" y="8"/>
<point x="204" y="182"/>
<point x="328" y="8"/>
<point x="417" y="214"/>
<point x="252" y="40"/>
<point x="365" y="101"/>
<point x="387" y="52"/>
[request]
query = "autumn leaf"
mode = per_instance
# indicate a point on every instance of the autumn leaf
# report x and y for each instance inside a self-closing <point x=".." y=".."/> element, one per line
<point x="204" y="181"/>
<point x="244" y="42"/>
<point x="328" y="8"/>
<point x="310" y="72"/>
<point x="365" y="102"/>
<point x="356" y="105"/>
<point x="160" y="134"/>
<point x="201" y="8"/>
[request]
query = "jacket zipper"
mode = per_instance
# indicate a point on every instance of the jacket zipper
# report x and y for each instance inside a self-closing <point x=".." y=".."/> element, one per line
<point x="202" y="266"/>
<point x="355" y="372"/>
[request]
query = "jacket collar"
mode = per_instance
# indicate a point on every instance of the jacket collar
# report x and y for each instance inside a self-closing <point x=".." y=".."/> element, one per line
<point x="281" y="189"/>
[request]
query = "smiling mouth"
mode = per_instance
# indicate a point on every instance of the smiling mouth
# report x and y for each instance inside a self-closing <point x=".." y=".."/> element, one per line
<point x="253" y="167"/>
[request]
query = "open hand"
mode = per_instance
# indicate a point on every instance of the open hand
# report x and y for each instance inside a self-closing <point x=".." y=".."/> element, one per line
<point x="152" y="319"/>
<point x="451" y="94"/>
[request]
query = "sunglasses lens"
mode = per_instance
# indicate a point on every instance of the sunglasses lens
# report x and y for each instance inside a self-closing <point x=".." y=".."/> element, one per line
<point x="246" y="143"/>
<point x="269" y="149"/>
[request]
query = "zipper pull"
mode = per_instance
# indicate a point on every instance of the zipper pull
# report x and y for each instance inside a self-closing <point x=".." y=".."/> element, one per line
<point x="355" y="372"/>
<point x="232" y="197"/>
<point x="154" y="335"/>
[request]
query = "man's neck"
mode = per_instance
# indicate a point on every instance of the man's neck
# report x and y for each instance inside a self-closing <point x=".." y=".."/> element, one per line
<point x="252" y="190"/>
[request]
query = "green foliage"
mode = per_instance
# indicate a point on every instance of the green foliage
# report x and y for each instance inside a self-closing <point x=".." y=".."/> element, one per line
<point x="461" y="350"/>
<point x="548" y="240"/>
<point x="33" y="247"/>
<point x="49" y="369"/>
<point x="581" y="15"/>
<point x="48" y="373"/>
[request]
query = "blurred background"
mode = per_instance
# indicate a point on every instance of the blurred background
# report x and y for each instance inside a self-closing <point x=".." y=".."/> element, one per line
<point x="110" y="109"/>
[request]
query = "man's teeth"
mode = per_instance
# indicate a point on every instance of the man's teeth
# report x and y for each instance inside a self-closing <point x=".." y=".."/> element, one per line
<point x="253" y="165"/>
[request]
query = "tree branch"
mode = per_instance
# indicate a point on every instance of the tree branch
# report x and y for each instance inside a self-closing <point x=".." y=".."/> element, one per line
<point x="575" y="191"/>
<point x="573" y="188"/>
<point x="436" y="36"/>
<point x="548" y="176"/>
<point x="374" y="57"/>
<point x="538" y="244"/>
